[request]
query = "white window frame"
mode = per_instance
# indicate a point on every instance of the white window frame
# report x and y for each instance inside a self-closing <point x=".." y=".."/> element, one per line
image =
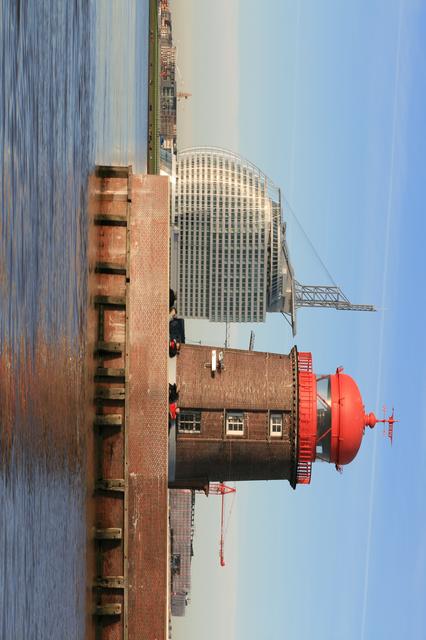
<point x="275" y="420"/>
<point x="191" y="421"/>
<point x="234" y="423"/>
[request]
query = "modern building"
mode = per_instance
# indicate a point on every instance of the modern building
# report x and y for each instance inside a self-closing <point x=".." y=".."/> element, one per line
<point x="182" y="505"/>
<point x="231" y="262"/>
<point x="246" y="415"/>
<point x="229" y="250"/>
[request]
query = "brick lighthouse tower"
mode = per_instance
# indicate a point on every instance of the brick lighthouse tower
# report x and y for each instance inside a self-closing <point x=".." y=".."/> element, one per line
<point x="247" y="415"/>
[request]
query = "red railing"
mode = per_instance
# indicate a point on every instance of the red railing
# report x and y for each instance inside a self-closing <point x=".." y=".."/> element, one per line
<point x="304" y="470"/>
<point x="304" y="361"/>
<point x="307" y="418"/>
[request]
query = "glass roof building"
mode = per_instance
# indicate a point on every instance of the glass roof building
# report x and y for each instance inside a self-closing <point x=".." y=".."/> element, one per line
<point x="231" y="259"/>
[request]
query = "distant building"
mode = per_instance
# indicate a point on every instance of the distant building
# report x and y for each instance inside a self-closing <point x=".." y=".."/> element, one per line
<point x="182" y="504"/>
<point x="232" y="262"/>
<point x="167" y="124"/>
<point x="229" y="260"/>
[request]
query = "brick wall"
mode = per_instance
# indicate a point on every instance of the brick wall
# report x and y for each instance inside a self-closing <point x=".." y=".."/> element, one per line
<point x="252" y="382"/>
<point x="148" y="409"/>
<point x="136" y="449"/>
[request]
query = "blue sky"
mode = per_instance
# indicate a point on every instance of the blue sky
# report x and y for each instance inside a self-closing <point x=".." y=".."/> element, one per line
<point x="329" y="100"/>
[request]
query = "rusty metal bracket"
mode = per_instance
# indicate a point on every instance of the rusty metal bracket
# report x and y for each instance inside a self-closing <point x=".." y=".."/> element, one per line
<point x="108" y="420"/>
<point x="109" y="582"/>
<point x="111" y="533"/>
<point x="111" y="484"/>
<point x="111" y="609"/>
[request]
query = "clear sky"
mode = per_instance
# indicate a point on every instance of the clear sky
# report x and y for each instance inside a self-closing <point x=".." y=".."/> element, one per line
<point x="328" y="98"/>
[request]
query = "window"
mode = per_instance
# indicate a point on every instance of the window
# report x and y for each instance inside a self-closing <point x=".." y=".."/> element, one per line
<point x="175" y="563"/>
<point x="323" y="447"/>
<point x="276" y="424"/>
<point x="234" y="423"/>
<point x="189" y="422"/>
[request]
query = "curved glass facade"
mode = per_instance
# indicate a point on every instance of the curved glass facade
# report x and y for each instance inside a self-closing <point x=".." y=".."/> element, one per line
<point x="230" y="256"/>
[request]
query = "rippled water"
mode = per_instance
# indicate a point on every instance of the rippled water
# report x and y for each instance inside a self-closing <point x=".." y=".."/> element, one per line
<point x="121" y="117"/>
<point x="59" y="114"/>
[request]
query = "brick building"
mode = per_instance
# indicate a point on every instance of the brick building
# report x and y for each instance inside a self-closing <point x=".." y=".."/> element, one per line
<point x="239" y="422"/>
<point x="246" y="415"/>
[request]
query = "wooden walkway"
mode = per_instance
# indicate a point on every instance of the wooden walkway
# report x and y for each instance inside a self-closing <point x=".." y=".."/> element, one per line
<point x="131" y="217"/>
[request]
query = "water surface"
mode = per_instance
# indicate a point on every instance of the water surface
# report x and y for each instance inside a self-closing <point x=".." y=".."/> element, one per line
<point x="67" y="101"/>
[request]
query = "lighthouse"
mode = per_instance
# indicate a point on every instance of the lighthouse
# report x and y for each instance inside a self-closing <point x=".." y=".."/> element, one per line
<point x="247" y="415"/>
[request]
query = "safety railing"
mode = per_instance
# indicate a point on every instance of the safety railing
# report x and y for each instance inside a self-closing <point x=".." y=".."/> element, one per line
<point x="307" y="418"/>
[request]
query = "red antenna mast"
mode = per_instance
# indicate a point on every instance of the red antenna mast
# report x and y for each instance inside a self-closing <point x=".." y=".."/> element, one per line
<point x="220" y="489"/>
<point x="391" y="421"/>
<point x="371" y="420"/>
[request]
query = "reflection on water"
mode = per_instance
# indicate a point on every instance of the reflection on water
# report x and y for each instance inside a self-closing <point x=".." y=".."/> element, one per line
<point x="48" y="102"/>
<point x="122" y="83"/>
<point x="45" y="132"/>
<point x="42" y="556"/>
<point x="45" y="129"/>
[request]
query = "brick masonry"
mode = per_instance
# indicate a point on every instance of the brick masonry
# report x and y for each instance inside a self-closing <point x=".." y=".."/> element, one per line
<point x="148" y="409"/>
<point x="251" y="382"/>
<point x="249" y="379"/>
<point x="137" y="451"/>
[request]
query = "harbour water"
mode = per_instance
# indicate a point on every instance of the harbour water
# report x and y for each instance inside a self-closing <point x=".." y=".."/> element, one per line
<point x="73" y="89"/>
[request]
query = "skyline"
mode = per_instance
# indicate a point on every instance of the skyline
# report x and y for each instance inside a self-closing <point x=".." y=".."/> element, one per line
<point x="328" y="102"/>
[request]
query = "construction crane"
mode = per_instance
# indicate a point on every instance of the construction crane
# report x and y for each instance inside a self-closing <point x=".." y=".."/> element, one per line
<point x="331" y="297"/>
<point x="324" y="296"/>
<point x="220" y="489"/>
<point x="296" y="295"/>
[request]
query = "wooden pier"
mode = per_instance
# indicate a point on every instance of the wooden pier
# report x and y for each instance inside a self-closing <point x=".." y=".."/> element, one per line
<point x="130" y="302"/>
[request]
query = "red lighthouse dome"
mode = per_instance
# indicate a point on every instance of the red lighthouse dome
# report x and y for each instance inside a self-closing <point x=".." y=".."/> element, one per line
<point x="347" y="418"/>
<point x="331" y="418"/>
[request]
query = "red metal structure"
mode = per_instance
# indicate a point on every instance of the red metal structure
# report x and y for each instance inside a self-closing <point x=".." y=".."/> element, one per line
<point x="332" y="418"/>
<point x="372" y="421"/>
<point x="220" y="489"/>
